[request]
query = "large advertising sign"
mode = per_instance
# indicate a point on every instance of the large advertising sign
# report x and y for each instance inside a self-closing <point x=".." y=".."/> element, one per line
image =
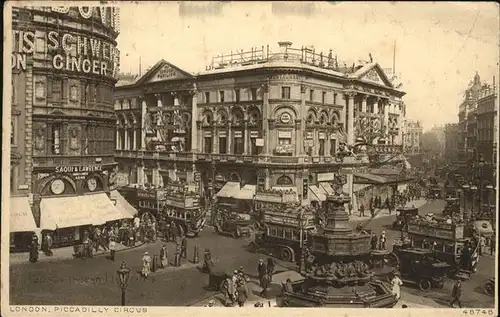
<point x="69" y="51"/>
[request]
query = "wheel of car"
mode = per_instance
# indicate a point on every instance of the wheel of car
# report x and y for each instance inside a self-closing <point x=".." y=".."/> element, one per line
<point x="424" y="285"/>
<point x="286" y="255"/>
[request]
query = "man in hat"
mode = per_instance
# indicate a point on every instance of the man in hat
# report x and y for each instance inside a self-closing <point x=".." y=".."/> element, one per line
<point x="383" y="240"/>
<point x="262" y="270"/>
<point x="207" y="261"/>
<point x="241" y="292"/>
<point x="456" y="293"/>
<point x="112" y="249"/>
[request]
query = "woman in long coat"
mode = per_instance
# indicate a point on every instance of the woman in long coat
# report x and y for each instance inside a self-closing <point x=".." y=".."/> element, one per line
<point x="146" y="265"/>
<point x="164" y="256"/>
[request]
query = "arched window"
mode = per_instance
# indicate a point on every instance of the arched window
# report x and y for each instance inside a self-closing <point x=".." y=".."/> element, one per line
<point x="284" y="181"/>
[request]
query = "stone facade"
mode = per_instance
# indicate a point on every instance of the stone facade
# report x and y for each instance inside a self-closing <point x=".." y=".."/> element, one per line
<point x="62" y="102"/>
<point x="276" y="121"/>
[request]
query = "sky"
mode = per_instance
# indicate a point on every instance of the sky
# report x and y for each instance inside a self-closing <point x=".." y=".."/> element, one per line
<point x="439" y="46"/>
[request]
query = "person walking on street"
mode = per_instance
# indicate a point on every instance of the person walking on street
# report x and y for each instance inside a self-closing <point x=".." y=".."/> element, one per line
<point x="349" y="207"/>
<point x="482" y="244"/>
<point x="262" y="271"/>
<point x="383" y="239"/>
<point x="456" y="293"/>
<point x="146" y="265"/>
<point x="270" y="266"/>
<point x="372" y="211"/>
<point x="242" y="292"/>
<point x="396" y="285"/>
<point x="362" y="210"/>
<point x="184" y="248"/>
<point x="164" y="256"/>
<point x="33" y="258"/>
<point x="48" y="244"/>
<point x="112" y="249"/>
<point x="374" y="241"/>
<point x="228" y="292"/>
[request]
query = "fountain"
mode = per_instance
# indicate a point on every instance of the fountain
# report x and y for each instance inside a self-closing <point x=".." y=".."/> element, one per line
<point x="336" y="265"/>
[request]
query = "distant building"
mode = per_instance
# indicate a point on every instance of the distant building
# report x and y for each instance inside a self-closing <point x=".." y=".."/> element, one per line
<point x="487" y="125"/>
<point x="467" y="120"/>
<point x="451" y="142"/>
<point x="412" y="136"/>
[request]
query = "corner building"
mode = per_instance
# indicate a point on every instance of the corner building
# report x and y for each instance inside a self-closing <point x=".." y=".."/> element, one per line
<point x="263" y="120"/>
<point x="64" y="66"/>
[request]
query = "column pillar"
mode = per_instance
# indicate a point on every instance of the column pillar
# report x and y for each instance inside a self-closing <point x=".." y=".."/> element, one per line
<point x="194" y="126"/>
<point x="299" y="138"/>
<point x="327" y="143"/>
<point x="134" y="141"/>
<point x="215" y="140"/>
<point x="350" y="187"/>
<point x="265" y="119"/>
<point x="246" y="140"/>
<point x="375" y="106"/>
<point x="303" y="115"/>
<point x="385" y="108"/>
<point x="117" y="141"/>
<point x="350" y="117"/>
<point x="316" y="142"/>
<point x="126" y="138"/>
<point x="144" y="113"/>
<point x="140" y="174"/>
<point x="200" y="138"/>
<point x="229" y="139"/>
<point x="363" y="103"/>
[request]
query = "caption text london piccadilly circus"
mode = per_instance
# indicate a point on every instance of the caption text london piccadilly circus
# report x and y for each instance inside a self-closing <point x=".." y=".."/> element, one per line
<point x="78" y="309"/>
<point x="69" y="51"/>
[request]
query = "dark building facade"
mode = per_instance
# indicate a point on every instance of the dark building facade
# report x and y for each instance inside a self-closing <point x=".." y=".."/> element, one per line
<point x="269" y="121"/>
<point x="64" y="66"/>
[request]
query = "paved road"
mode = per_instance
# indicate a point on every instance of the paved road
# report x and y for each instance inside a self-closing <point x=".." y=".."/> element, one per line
<point x="473" y="294"/>
<point x="93" y="282"/>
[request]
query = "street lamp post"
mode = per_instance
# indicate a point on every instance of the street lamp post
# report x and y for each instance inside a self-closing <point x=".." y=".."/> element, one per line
<point x="473" y="189"/>
<point x="123" y="278"/>
<point x="466" y="192"/>
<point x="481" y="181"/>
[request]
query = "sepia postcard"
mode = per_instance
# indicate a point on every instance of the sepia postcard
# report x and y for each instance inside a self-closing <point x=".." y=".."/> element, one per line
<point x="184" y="158"/>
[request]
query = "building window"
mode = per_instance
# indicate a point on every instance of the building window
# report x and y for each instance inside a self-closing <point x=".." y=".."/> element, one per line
<point x="311" y="95"/>
<point x="323" y="97"/>
<point x="254" y="150"/>
<point x="222" y="145"/>
<point x="254" y="93"/>
<point x="333" y="147"/>
<point x="207" y="97"/>
<point x="237" y="95"/>
<point x="221" y="96"/>
<point x="238" y="144"/>
<point x="321" y="147"/>
<point x="56" y="138"/>
<point x="285" y="92"/>
<point x="208" y="144"/>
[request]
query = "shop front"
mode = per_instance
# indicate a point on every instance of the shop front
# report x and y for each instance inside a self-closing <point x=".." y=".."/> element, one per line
<point x="71" y="199"/>
<point x="22" y="223"/>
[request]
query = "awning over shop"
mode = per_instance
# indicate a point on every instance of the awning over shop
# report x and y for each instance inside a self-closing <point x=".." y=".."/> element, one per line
<point x="317" y="194"/>
<point x="355" y="187"/>
<point x="484" y="228"/>
<point x="229" y="190"/>
<point x="123" y="205"/>
<point x="101" y="208"/>
<point x="368" y="178"/>
<point x="247" y="192"/>
<point x="64" y="212"/>
<point x="327" y="188"/>
<point x="21" y="217"/>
